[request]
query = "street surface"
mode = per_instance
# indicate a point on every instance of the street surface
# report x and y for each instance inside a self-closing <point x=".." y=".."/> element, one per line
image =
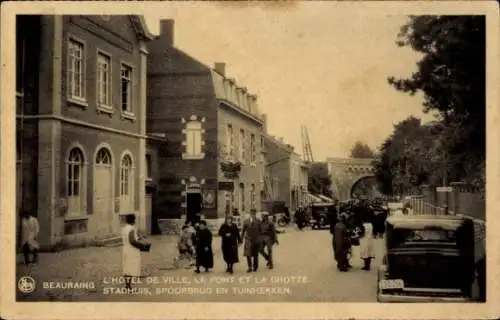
<point x="304" y="272"/>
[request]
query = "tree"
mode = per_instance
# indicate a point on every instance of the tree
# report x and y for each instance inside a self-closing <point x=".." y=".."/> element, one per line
<point x="361" y="150"/>
<point x="410" y="157"/>
<point x="319" y="179"/>
<point x="452" y="76"/>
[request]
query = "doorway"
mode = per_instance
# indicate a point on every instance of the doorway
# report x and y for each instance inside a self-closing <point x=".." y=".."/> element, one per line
<point x="103" y="194"/>
<point x="193" y="206"/>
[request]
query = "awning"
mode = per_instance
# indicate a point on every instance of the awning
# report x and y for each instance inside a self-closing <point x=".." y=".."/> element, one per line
<point x="310" y="198"/>
<point x="325" y="198"/>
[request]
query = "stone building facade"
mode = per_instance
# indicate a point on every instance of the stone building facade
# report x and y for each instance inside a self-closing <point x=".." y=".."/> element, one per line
<point x="193" y="105"/>
<point x="286" y="174"/>
<point x="81" y="124"/>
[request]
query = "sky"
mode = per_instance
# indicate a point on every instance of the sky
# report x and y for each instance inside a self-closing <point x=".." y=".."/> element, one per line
<point x="309" y="63"/>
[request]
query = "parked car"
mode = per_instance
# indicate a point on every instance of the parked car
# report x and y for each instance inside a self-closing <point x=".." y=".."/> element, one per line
<point x="321" y="214"/>
<point x="427" y="259"/>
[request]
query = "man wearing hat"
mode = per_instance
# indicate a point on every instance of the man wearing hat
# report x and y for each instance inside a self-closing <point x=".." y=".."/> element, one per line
<point x="251" y="231"/>
<point x="268" y="239"/>
<point x="341" y="243"/>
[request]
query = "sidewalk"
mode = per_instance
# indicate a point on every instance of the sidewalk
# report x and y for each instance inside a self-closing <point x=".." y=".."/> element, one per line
<point x="93" y="264"/>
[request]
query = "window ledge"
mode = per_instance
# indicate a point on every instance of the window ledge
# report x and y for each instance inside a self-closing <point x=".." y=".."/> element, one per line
<point x="186" y="156"/>
<point x="149" y="179"/>
<point x="105" y="109"/>
<point x="78" y="102"/>
<point x="126" y="213"/>
<point x="128" y="115"/>
<point x="19" y="94"/>
<point x="73" y="218"/>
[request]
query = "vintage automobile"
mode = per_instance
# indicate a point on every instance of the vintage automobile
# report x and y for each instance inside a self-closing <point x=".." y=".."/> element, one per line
<point x="321" y="213"/>
<point x="428" y="258"/>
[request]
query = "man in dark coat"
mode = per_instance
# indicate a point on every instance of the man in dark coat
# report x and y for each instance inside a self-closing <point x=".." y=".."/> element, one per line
<point x="204" y="253"/>
<point x="251" y="233"/>
<point x="268" y="239"/>
<point x="341" y="243"/>
<point x="230" y="235"/>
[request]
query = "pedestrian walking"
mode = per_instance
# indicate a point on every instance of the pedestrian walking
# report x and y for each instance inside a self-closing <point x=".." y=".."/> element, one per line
<point x="268" y="239"/>
<point x="133" y="244"/>
<point x="185" y="246"/>
<point x="341" y="243"/>
<point x="204" y="253"/>
<point x="29" y="233"/>
<point x="230" y="235"/>
<point x="251" y="233"/>
<point x="366" y="244"/>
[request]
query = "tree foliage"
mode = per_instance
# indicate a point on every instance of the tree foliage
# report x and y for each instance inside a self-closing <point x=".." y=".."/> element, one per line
<point x="361" y="150"/>
<point x="451" y="75"/>
<point x="319" y="179"/>
<point x="410" y="157"/>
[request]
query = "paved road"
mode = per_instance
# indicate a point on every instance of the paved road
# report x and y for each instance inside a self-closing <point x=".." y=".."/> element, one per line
<point x="304" y="272"/>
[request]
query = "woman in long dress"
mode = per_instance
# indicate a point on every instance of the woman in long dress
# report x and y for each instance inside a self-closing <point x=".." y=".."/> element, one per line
<point x="366" y="244"/>
<point x="230" y="235"/>
<point x="204" y="253"/>
<point x="131" y="254"/>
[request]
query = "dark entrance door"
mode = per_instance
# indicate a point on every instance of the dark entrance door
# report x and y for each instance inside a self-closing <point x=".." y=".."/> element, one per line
<point x="193" y="207"/>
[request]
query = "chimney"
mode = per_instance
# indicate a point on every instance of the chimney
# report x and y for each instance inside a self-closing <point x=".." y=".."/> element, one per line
<point x="220" y="68"/>
<point x="167" y="31"/>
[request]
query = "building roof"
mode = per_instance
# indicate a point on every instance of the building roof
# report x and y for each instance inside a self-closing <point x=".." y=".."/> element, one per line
<point x="279" y="143"/>
<point x="423" y="221"/>
<point x="141" y="27"/>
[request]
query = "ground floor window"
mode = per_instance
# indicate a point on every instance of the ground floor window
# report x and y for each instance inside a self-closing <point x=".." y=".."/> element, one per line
<point x="126" y="184"/>
<point x="75" y="179"/>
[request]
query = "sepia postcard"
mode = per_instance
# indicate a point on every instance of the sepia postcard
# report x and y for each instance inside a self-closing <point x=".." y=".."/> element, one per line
<point x="249" y="159"/>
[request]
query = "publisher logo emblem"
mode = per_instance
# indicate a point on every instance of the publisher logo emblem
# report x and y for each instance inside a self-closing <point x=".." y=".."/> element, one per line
<point x="26" y="284"/>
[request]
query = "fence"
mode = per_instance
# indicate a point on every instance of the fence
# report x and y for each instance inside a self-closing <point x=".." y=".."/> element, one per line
<point x="461" y="201"/>
<point x="420" y="206"/>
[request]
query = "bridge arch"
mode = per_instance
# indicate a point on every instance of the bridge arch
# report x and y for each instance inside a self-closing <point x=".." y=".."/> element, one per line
<point x="358" y="181"/>
<point x="346" y="173"/>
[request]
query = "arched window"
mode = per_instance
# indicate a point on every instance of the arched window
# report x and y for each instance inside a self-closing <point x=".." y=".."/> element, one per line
<point x="126" y="185"/>
<point x="103" y="157"/>
<point x="75" y="182"/>
<point x="242" y="198"/>
<point x="193" y="141"/>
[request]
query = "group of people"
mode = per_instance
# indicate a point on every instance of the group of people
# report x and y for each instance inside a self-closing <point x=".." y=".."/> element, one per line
<point x="358" y="227"/>
<point x="258" y="236"/>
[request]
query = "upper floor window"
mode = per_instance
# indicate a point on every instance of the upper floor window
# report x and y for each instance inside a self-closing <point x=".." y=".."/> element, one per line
<point x="252" y="148"/>
<point x="75" y="180"/>
<point x="103" y="79"/>
<point x="252" y="196"/>
<point x="149" y="173"/>
<point x="230" y="140"/>
<point x="76" y="70"/>
<point x="126" y="88"/>
<point x="242" y="198"/>
<point x="193" y="142"/>
<point x="242" y="146"/>
<point x="126" y="184"/>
